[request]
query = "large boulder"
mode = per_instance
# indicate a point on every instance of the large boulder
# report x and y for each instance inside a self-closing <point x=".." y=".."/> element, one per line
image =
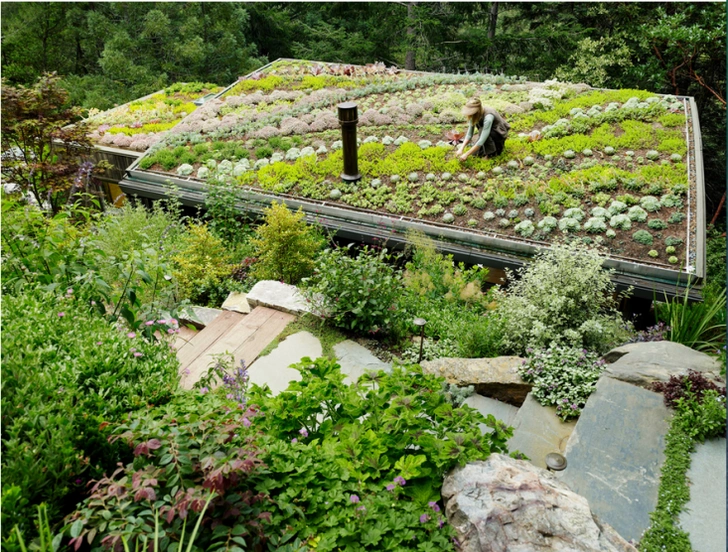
<point x="496" y="378"/>
<point x="644" y="363"/>
<point x="507" y="505"/>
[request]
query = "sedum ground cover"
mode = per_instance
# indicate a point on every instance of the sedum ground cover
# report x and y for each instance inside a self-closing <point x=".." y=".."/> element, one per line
<point x="606" y="166"/>
<point x="142" y="123"/>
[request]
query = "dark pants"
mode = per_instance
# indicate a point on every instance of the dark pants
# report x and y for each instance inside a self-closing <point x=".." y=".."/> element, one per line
<point x="494" y="145"/>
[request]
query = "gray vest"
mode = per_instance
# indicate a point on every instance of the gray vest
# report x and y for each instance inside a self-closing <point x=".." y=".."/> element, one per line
<point x="500" y="125"/>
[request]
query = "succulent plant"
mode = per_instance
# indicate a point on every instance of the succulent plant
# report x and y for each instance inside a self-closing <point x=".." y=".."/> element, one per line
<point x="617" y="207"/>
<point x="387" y="140"/>
<point x="676" y="218"/>
<point x="670" y="249"/>
<point x="400" y="140"/>
<point x="656" y="224"/>
<point x="637" y="214"/>
<point x="528" y="160"/>
<point x="600" y="212"/>
<point x="394" y="178"/>
<point x="525" y="228"/>
<point x="652" y="155"/>
<point x="528" y="212"/>
<point x="620" y="221"/>
<point x="547" y="224"/>
<point x="424" y="144"/>
<point x="275" y="158"/>
<point x="672" y="240"/>
<point x="650" y="204"/>
<point x="611" y="234"/>
<point x="480" y="175"/>
<point x="472" y="223"/>
<point x="595" y="224"/>
<point x="203" y="173"/>
<point x="672" y="260"/>
<point x="370" y="139"/>
<point x="574" y="213"/>
<point x="338" y="145"/>
<point x="513" y="164"/>
<point x="446" y="176"/>
<point x="375" y="183"/>
<point x="587" y="152"/>
<point x="513" y="213"/>
<point x="448" y="218"/>
<point x="643" y="237"/>
<point x="653" y="253"/>
<point x="430" y="177"/>
<point x="413" y="177"/>
<point x="670" y="200"/>
<point x="488" y="216"/>
<point x="460" y="209"/>
<point x="676" y="158"/>
<point x="185" y="169"/>
<point x="568" y="224"/>
<point x="462" y="177"/>
<point x="497" y="170"/>
<point x="569" y="154"/>
<point x="548" y="157"/>
<point x="609" y="150"/>
<point x="504" y="223"/>
<point x="335" y="194"/>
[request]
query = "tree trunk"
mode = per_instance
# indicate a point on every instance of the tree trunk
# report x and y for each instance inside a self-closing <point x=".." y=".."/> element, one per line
<point x="492" y="20"/>
<point x="409" y="60"/>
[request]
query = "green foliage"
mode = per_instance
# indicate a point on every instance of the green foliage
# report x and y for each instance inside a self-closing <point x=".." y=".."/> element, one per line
<point x="201" y="267"/>
<point x="66" y="373"/>
<point x="363" y="464"/>
<point x="193" y="463"/>
<point x="701" y="326"/>
<point x="563" y="297"/>
<point x="355" y="292"/>
<point x="285" y="246"/>
<point x="223" y="217"/>
<point x="563" y="377"/>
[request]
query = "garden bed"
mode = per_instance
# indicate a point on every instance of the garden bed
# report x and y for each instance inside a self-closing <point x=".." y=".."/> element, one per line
<point x="614" y="168"/>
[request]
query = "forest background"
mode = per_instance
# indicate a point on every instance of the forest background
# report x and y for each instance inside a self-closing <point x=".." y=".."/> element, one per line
<point x="109" y="53"/>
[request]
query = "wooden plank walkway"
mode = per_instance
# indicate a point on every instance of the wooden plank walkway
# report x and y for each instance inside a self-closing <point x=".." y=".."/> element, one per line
<point x="244" y="336"/>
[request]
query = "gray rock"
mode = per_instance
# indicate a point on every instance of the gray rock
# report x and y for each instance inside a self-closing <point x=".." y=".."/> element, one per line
<point x="538" y="431"/>
<point x="496" y="378"/>
<point x="507" y="505"/>
<point x="277" y="295"/>
<point x="704" y="516"/>
<point x="273" y="369"/>
<point x="355" y="360"/>
<point x="236" y="302"/>
<point x="644" y="363"/>
<point x="199" y="317"/>
<point x="616" y="452"/>
<point x="504" y="412"/>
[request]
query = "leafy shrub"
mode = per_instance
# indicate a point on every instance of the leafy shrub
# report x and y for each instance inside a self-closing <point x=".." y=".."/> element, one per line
<point x="193" y="464"/>
<point x="223" y="218"/>
<point x="693" y="384"/>
<point x="362" y="465"/>
<point x="355" y="292"/>
<point x="202" y="266"/>
<point x="285" y="246"/>
<point x="66" y="373"/>
<point x="643" y="237"/>
<point x="563" y="377"/>
<point x="563" y="297"/>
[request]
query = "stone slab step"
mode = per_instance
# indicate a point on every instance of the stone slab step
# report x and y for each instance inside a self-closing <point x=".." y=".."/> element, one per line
<point x="199" y="317"/>
<point x="356" y="360"/>
<point x="705" y="515"/>
<point x="277" y="295"/>
<point x="273" y="369"/>
<point x="616" y="452"/>
<point x="538" y="431"/>
<point x="244" y="336"/>
<point x="504" y="412"/>
<point x="237" y="302"/>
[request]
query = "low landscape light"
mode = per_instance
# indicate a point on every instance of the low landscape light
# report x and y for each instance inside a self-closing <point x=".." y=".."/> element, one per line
<point x="421" y="323"/>
<point x="555" y="461"/>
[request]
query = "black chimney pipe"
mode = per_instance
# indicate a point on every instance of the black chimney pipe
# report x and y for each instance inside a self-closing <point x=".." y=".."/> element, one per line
<point x="348" y="118"/>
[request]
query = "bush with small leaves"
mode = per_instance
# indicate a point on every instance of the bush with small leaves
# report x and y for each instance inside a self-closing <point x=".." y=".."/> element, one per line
<point x="500" y="201"/>
<point x="653" y="253"/>
<point x="568" y="224"/>
<point x="656" y="224"/>
<point x="520" y="200"/>
<point x="620" y="221"/>
<point x="637" y="214"/>
<point x="643" y="237"/>
<point x="563" y="297"/>
<point x="595" y="224"/>
<point x="672" y="240"/>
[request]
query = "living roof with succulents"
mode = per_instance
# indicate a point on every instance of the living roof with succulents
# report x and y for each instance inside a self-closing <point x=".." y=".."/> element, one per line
<point x="615" y="168"/>
<point x="140" y="124"/>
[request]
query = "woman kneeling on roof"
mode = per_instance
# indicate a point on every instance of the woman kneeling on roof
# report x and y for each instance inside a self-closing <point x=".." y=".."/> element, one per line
<point x="493" y="130"/>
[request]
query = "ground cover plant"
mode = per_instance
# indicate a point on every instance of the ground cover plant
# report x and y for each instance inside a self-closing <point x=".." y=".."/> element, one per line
<point x="608" y="167"/>
<point x="142" y="123"/>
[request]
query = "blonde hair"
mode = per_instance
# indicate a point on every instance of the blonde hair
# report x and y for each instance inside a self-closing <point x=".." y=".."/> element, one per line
<point x="473" y="109"/>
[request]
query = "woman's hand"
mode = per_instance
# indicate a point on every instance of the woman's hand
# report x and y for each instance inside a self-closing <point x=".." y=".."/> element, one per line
<point x="464" y="156"/>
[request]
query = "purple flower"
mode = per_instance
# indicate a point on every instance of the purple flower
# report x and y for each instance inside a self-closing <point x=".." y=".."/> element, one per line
<point x="78" y="481"/>
<point x="131" y="335"/>
<point x="354" y="499"/>
<point x="440" y="523"/>
<point x="204" y="391"/>
<point x="247" y="422"/>
<point x="138" y="354"/>
<point x="161" y="321"/>
<point x="303" y="431"/>
<point x="401" y="481"/>
<point x="171" y="331"/>
<point x="424" y="518"/>
<point x="294" y="440"/>
<point x="149" y="322"/>
<point x="391" y="487"/>
<point x="69" y="291"/>
<point x="361" y="509"/>
<point x="61" y="314"/>
<point x="99" y="342"/>
<point x="434" y="506"/>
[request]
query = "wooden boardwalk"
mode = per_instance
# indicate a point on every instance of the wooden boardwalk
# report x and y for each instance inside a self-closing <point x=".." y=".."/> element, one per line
<point x="242" y="335"/>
